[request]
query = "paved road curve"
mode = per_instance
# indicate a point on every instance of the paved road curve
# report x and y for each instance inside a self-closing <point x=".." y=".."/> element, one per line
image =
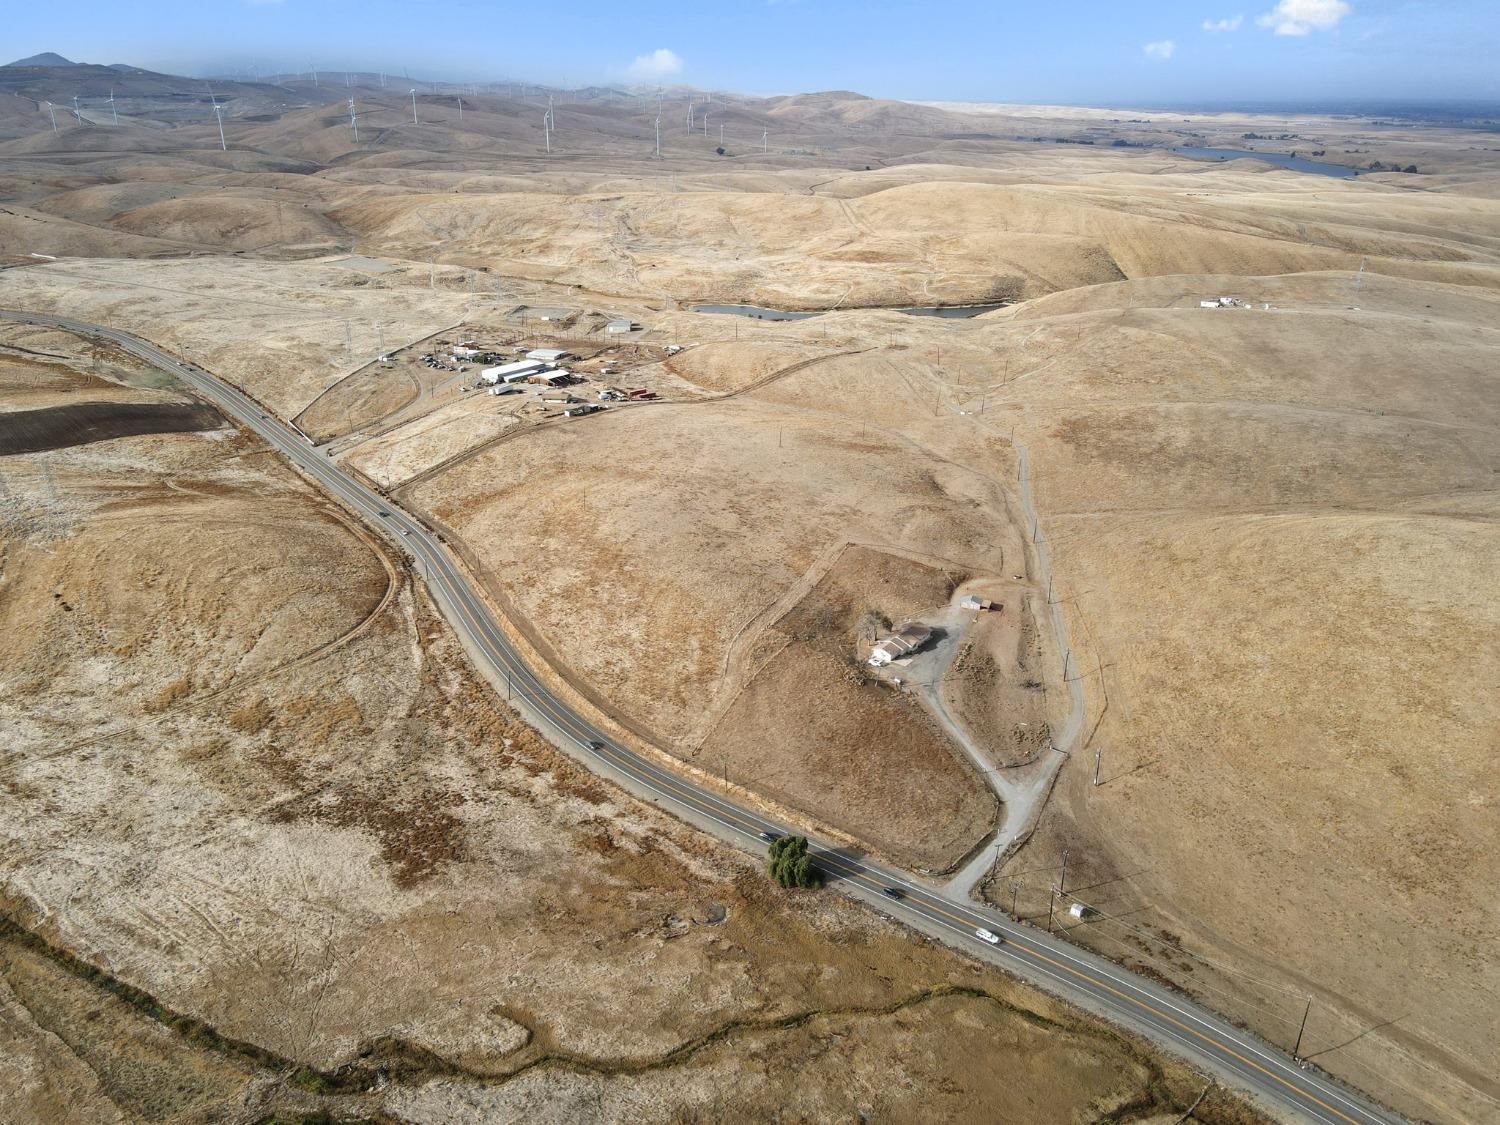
<point x="1239" y="1059"/>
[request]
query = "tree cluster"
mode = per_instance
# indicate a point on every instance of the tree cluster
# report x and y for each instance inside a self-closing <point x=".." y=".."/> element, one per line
<point x="790" y="864"/>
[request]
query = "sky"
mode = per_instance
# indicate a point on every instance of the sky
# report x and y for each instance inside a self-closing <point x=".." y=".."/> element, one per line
<point x="1121" y="53"/>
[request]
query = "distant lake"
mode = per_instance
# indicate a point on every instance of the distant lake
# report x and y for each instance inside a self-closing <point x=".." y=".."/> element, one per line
<point x="754" y="310"/>
<point x="1282" y="159"/>
<point x="951" y="312"/>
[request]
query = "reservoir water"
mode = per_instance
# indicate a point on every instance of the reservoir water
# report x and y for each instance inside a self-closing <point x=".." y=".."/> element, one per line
<point x="1282" y="159"/>
<point x="951" y="312"/>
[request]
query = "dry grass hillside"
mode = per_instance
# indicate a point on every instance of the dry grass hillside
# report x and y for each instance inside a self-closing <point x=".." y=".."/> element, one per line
<point x="272" y="851"/>
<point x="253" y="775"/>
<point x="1275" y="534"/>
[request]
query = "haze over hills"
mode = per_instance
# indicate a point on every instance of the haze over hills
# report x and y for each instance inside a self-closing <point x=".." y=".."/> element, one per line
<point x="1192" y="484"/>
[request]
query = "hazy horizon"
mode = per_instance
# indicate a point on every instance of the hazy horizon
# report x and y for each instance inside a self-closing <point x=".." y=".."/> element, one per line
<point x="1168" y="54"/>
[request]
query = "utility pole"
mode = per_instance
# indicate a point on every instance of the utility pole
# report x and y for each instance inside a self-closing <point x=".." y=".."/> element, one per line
<point x="1062" y="878"/>
<point x="1098" y="762"/>
<point x="1297" y="1050"/>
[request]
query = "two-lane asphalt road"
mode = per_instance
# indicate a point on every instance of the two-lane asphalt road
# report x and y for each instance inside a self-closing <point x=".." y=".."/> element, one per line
<point x="1239" y="1059"/>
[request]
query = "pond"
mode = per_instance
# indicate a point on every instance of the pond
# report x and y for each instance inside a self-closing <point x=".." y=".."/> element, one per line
<point x="1281" y="159"/>
<point x="950" y="312"/>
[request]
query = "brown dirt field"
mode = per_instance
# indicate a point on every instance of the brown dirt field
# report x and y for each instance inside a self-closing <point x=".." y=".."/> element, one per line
<point x="993" y="687"/>
<point x="357" y="401"/>
<point x="78" y="423"/>
<point x="276" y="330"/>
<point x="812" y="731"/>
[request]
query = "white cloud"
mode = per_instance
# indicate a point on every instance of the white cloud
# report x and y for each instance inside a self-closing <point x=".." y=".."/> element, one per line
<point x="1298" y="17"/>
<point x="1161" y="49"/>
<point x="1232" y="23"/>
<point x="660" y="63"/>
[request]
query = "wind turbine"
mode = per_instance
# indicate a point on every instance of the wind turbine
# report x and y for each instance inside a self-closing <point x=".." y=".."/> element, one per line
<point x="414" y="106"/>
<point x="219" y="113"/>
<point x="112" y="108"/>
<point x="460" y="107"/>
<point x="76" y="112"/>
<point x="53" y="114"/>
<point x="547" y="129"/>
<point x="764" y="133"/>
<point x="658" y="133"/>
<point x="354" y="121"/>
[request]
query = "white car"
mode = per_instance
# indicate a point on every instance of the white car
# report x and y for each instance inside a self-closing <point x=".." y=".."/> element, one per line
<point x="985" y="935"/>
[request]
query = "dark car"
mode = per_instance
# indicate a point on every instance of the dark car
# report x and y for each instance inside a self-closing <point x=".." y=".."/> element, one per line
<point x="770" y="837"/>
<point x="893" y="892"/>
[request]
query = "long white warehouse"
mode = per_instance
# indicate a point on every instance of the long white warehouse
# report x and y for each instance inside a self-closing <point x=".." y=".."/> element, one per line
<point x="512" y="372"/>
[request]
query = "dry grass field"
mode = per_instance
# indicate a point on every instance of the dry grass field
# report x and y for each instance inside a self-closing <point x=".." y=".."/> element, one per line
<point x="251" y="774"/>
<point x="270" y="848"/>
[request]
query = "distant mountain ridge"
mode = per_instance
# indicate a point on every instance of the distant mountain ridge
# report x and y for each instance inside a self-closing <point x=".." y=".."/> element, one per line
<point x="46" y="58"/>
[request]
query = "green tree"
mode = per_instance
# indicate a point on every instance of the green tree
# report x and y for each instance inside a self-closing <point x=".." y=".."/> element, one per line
<point x="790" y="865"/>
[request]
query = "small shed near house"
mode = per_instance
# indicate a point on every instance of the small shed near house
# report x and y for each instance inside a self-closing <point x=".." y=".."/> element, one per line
<point x="974" y="601"/>
<point x="621" y="324"/>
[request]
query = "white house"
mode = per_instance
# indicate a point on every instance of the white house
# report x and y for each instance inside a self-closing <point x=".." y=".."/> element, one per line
<point x="907" y="638"/>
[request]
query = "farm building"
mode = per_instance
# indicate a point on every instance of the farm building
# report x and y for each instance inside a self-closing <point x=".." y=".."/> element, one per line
<point x="548" y="355"/>
<point x="974" y="601"/>
<point x="511" y="372"/>
<point x="621" y="324"/>
<point x="907" y="638"/>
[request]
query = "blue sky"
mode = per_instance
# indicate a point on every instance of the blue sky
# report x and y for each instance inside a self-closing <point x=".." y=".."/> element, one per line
<point x="1127" y="52"/>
